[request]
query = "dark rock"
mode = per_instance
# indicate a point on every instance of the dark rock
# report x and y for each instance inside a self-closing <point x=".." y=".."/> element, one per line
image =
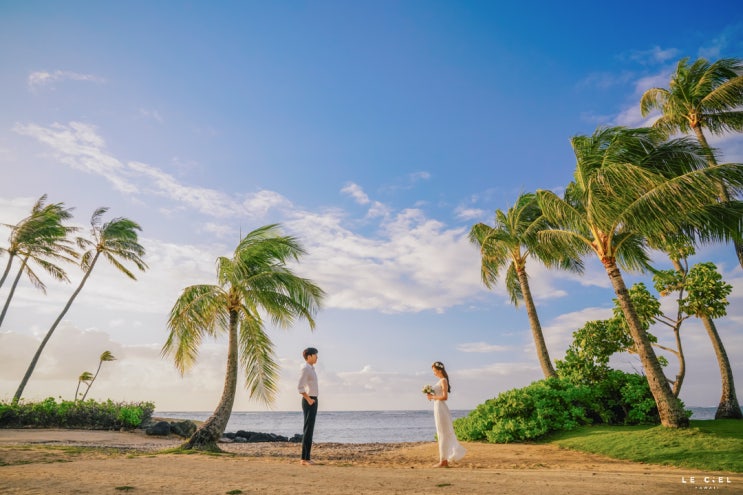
<point x="297" y="438"/>
<point x="161" y="428"/>
<point x="240" y="440"/>
<point x="183" y="428"/>
<point x="257" y="437"/>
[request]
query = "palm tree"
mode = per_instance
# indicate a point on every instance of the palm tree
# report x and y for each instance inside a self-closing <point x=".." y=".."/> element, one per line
<point x="255" y="280"/>
<point x="105" y="357"/>
<point x="628" y="187"/>
<point x="85" y="377"/>
<point x="118" y="242"/>
<point x="39" y="238"/>
<point x="701" y="96"/>
<point x="511" y="242"/>
<point x="708" y="300"/>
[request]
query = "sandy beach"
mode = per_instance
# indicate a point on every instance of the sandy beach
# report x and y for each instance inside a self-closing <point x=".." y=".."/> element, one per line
<point x="50" y="461"/>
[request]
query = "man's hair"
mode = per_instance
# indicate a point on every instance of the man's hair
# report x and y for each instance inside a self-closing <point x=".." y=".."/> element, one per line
<point x="309" y="352"/>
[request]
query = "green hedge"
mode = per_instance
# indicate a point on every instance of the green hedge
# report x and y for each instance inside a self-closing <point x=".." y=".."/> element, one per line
<point x="556" y="404"/>
<point x="90" y="414"/>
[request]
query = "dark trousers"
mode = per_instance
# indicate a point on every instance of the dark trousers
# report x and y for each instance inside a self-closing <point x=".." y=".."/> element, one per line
<point x="310" y="412"/>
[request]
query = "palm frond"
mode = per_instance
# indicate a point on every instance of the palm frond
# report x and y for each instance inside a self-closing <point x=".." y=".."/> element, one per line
<point x="257" y="360"/>
<point x="199" y="311"/>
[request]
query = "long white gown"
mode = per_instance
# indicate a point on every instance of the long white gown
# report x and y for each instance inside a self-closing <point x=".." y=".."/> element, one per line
<point x="449" y="448"/>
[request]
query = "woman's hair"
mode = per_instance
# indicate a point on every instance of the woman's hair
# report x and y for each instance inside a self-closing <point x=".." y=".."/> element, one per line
<point x="440" y="366"/>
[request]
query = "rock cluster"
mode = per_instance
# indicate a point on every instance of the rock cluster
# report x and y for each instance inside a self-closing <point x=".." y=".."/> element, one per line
<point x="187" y="428"/>
<point x="183" y="429"/>
<point x="242" y="436"/>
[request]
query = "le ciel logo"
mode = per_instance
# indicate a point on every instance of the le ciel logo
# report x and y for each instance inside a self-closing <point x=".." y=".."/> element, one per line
<point x="706" y="482"/>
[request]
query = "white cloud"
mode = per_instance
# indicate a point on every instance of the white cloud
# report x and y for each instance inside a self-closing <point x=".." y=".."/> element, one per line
<point x="355" y="191"/>
<point x="41" y="79"/>
<point x="655" y="55"/>
<point x="481" y="347"/>
<point x="464" y="213"/>
<point x="258" y="204"/>
<point x="79" y="146"/>
<point x="418" y="176"/>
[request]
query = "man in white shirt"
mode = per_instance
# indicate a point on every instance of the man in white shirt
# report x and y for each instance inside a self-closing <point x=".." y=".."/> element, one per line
<point x="308" y="389"/>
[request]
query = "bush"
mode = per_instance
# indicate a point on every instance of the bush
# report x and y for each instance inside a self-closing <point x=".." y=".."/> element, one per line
<point x="556" y="404"/>
<point x="90" y="414"/>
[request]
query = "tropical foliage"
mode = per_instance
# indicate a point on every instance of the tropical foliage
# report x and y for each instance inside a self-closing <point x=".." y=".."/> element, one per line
<point x="558" y="404"/>
<point x="631" y="186"/>
<point x="49" y="413"/>
<point x="701" y="96"/>
<point x="254" y="282"/>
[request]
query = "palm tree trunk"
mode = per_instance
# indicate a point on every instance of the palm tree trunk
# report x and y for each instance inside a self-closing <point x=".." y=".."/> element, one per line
<point x="35" y="359"/>
<point x="12" y="290"/>
<point x="536" y="327"/>
<point x="728" y="407"/>
<point x="670" y="410"/>
<point x="90" y="383"/>
<point x="682" y="361"/>
<point x="209" y="433"/>
<point x="7" y="269"/>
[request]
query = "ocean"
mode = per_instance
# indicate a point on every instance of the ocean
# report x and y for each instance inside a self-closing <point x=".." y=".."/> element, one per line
<point x="352" y="426"/>
<point x="334" y="426"/>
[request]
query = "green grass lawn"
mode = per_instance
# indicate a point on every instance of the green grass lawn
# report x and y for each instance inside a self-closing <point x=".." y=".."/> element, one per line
<point x="710" y="445"/>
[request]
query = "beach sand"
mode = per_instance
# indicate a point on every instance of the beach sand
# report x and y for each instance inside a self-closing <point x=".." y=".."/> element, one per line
<point x="48" y="461"/>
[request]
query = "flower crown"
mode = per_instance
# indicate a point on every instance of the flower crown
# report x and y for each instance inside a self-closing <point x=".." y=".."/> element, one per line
<point x="438" y="365"/>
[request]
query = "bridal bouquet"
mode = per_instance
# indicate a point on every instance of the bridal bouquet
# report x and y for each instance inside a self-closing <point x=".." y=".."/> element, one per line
<point x="428" y="389"/>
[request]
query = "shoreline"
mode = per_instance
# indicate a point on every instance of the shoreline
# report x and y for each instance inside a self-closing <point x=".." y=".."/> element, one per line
<point x="93" y="462"/>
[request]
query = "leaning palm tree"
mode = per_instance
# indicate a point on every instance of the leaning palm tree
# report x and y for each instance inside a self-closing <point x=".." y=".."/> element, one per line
<point x="511" y="242"/>
<point x="255" y="281"/>
<point x="106" y="357"/>
<point x="629" y="186"/>
<point x="41" y="238"/>
<point x="701" y="96"/>
<point x="118" y="242"/>
<point x="84" y="377"/>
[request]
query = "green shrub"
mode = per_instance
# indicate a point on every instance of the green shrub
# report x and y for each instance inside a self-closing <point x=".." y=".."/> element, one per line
<point x="90" y="414"/>
<point x="557" y="404"/>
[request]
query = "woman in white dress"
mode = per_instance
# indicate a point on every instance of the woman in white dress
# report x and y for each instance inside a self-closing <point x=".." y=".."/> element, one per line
<point x="449" y="448"/>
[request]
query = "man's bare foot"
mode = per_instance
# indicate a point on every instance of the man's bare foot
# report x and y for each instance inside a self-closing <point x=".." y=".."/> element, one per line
<point x="442" y="464"/>
<point x="306" y="463"/>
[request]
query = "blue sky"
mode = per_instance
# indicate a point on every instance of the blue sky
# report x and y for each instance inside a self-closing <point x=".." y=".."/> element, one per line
<point x="376" y="132"/>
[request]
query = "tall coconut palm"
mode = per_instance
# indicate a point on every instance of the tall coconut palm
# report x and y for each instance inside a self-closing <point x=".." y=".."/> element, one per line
<point x="630" y="186"/>
<point x="255" y="281"/>
<point x="106" y="357"/>
<point x="41" y="238"/>
<point x="701" y="96"/>
<point x="511" y="242"/>
<point x="118" y="242"/>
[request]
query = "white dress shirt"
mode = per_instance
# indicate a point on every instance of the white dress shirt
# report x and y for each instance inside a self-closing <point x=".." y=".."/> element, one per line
<point x="308" y="380"/>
